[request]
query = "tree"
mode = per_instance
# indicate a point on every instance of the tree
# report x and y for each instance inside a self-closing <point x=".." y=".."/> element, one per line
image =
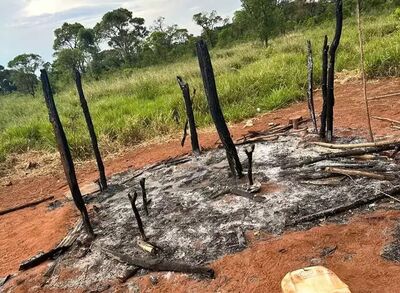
<point x="74" y="45"/>
<point x="6" y="85"/>
<point x="123" y="32"/>
<point x="264" y="16"/>
<point x="208" y="22"/>
<point x="24" y="74"/>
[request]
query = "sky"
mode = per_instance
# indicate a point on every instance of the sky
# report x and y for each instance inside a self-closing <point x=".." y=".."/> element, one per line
<point x="27" y="26"/>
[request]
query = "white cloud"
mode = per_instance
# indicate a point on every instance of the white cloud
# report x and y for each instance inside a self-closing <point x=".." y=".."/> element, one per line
<point x="40" y="7"/>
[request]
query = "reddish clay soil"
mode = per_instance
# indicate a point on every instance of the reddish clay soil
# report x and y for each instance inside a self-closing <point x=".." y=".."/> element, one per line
<point x="259" y="269"/>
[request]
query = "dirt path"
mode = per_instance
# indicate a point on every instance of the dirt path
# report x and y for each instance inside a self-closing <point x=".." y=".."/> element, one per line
<point x="25" y="233"/>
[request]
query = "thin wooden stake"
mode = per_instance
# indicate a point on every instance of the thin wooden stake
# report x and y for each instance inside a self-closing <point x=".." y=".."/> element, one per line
<point x="310" y="94"/>
<point x="189" y="113"/>
<point x="210" y="87"/>
<point x="363" y="75"/>
<point x="92" y="132"/>
<point x="142" y="183"/>
<point x="137" y="215"/>
<point x="65" y="153"/>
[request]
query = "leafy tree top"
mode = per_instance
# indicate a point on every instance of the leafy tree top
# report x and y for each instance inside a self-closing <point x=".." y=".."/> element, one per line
<point x="26" y="63"/>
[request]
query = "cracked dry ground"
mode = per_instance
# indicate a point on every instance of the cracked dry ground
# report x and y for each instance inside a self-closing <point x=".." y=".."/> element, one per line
<point x="261" y="266"/>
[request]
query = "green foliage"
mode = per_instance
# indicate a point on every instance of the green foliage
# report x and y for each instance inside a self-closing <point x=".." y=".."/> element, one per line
<point x="208" y="22"/>
<point x="123" y="32"/>
<point x="23" y="71"/>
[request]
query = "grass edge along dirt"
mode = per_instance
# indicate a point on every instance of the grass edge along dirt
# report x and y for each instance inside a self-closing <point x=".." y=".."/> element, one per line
<point x="136" y="105"/>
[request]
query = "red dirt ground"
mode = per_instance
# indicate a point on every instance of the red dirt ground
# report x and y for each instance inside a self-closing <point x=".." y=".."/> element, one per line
<point x="26" y="232"/>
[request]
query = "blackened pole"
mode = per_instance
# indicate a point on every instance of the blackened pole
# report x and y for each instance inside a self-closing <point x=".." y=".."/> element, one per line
<point x="190" y="116"/>
<point x="65" y="152"/>
<point x="210" y="87"/>
<point x="310" y="89"/>
<point x="324" y="86"/>
<point x="92" y="133"/>
<point x="331" y="70"/>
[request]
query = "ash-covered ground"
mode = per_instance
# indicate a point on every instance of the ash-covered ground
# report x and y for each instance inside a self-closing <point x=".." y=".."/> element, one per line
<point x="191" y="223"/>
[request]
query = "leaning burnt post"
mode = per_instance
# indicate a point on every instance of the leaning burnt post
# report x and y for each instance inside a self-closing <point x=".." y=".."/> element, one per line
<point x="142" y="183"/>
<point x="92" y="133"/>
<point x="331" y="70"/>
<point x="310" y="79"/>
<point x="249" y="152"/>
<point x="210" y="87"/>
<point x="65" y="152"/>
<point x="137" y="215"/>
<point x="190" y="116"/>
<point x="325" y="50"/>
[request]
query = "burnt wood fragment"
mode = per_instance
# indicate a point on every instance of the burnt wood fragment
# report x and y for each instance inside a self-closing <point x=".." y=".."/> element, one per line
<point x="137" y="215"/>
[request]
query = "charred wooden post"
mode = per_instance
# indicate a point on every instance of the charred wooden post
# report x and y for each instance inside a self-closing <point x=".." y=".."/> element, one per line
<point x="92" y="133"/>
<point x="210" y="87"/>
<point x="325" y="50"/>
<point x="249" y="152"/>
<point x="190" y="116"/>
<point x="142" y="183"/>
<point x="310" y="93"/>
<point x="65" y="153"/>
<point x="331" y="70"/>
<point x="137" y="215"/>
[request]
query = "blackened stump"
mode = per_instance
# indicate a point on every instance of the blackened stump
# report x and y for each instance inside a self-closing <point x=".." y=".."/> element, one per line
<point x="210" y="87"/>
<point x="190" y="116"/>
<point x="65" y="153"/>
<point x="92" y="133"/>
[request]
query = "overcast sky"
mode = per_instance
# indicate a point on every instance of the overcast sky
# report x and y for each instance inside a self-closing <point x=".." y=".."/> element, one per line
<point x="26" y="26"/>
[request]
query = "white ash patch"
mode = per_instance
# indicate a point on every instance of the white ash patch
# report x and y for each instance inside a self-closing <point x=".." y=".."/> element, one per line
<point x="189" y="224"/>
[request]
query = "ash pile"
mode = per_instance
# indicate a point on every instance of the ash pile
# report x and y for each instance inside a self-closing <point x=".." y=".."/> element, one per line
<point x="198" y="212"/>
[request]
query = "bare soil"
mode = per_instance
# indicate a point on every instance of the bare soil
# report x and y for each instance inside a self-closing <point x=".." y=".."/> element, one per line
<point x="357" y="259"/>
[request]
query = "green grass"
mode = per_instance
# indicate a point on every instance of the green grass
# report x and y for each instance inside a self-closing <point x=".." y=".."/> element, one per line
<point x="135" y="105"/>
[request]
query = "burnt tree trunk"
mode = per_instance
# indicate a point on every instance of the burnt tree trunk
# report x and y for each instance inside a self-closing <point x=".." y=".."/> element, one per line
<point x="324" y="87"/>
<point x="310" y="94"/>
<point x="92" y="133"/>
<point x="190" y="116"/>
<point x="331" y="70"/>
<point x="210" y="87"/>
<point x="65" y="153"/>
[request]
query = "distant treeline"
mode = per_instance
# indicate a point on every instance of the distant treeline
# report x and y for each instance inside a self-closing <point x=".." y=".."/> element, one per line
<point x="121" y="40"/>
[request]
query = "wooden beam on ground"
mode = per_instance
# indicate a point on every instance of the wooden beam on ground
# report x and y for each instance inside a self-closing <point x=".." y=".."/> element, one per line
<point x="210" y="87"/>
<point x="385" y="96"/>
<point x="349" y="153"/>
<point x="386" y="119"/>
<point x="344" y="208"/>
<point x="356" y="145"/>
<point x="27" y="205"/>
<point x="352" y="172"/>
<point x="92" y="132"/>
<point x="65" y="153"/>
<point x="160" y="265"/>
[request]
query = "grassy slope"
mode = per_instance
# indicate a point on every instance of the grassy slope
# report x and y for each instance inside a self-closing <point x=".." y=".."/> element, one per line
<point x="138" y="105"/>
